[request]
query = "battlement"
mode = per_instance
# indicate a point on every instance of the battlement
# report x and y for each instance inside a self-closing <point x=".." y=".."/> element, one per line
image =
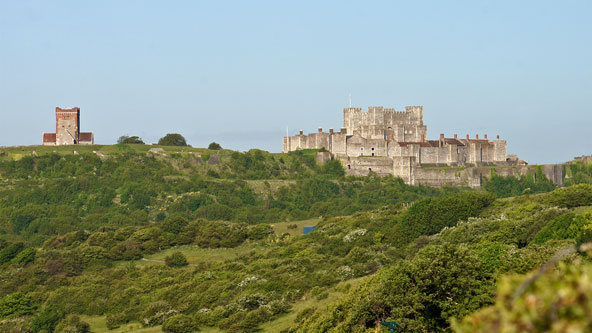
<point x="74" y="109"/>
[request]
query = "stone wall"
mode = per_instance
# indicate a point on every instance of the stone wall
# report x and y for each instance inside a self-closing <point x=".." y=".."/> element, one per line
<point x="361" y="166"/>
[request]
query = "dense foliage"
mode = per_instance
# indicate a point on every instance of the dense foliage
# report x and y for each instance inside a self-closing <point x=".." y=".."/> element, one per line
<point x="172" y="139"/>
<point x="220" y="253"/>
<point x="124" y="139"/>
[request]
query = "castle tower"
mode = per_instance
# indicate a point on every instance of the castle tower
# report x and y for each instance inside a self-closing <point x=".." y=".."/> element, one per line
<point x="68" y="130"/>
<point x="67" y="126"/>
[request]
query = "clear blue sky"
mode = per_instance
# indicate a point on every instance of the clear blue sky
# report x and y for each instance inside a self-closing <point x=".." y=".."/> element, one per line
<point x="240" y="72"/>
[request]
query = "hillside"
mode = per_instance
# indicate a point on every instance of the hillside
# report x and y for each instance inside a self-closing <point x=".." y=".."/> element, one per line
<point x="123" y="238"/>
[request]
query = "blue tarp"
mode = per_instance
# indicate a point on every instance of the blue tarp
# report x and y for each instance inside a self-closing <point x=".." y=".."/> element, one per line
<point x="307" y="230"/>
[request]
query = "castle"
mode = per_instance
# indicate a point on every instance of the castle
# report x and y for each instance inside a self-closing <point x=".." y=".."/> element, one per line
<point x="389" y="142"/>
<point x="68" y="130"/>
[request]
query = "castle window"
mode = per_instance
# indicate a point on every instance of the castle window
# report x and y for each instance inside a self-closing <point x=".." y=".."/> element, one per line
<point x="372" y="148"/>
<point x="362" y="148"/>
<point x="372" y="154"/>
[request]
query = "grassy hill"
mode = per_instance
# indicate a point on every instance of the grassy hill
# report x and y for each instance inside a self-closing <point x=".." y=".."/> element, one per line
<point x="85" y="237"/>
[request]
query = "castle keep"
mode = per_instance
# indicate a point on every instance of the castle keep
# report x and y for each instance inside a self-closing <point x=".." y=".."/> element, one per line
<point x="389" y="142"/>
<point x="68" y="130"/>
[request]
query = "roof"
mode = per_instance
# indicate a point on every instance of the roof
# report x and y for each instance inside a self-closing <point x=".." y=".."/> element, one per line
<point x="453" y="142"/>
<point x="85" y="136"/>
<point x="49" y="137"/>
<point x="481" y="141"/>
<point x="421" y="144"/>
<point x="433" y="143"/>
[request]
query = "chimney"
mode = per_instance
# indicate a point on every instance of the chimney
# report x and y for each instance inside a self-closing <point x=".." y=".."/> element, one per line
<point x="477" y="136"/>
<point x="467" y="137"/>
<point x="485" y="136"/>
<point x="441" y="142"/>
<point x="441" y="136"/>
<point x="330" y="130"/>
<point x="498" y="136"/>
<point x="423" y="138"/>
<point x="320" y="130"/>
<point x="301" y="132"/>
<point x="343" y="130"/>
<point x="455" y="136"/>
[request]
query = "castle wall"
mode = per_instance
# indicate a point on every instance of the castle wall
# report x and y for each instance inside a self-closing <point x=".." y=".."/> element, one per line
<point x="359" y="146"/>
<point x="338" y="143"/>
<point x="362" y="165"/>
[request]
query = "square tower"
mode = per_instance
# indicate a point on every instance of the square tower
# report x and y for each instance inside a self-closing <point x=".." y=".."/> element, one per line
<point x="67" y="126"/>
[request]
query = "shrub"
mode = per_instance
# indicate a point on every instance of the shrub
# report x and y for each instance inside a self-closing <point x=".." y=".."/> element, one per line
<point x="177" y="259"/>
<point x="172" y="139"/>
<point x="124" y="139"/>
<point x="429" y="216"/>
<point x="333" y="168"/>
<point x="25" y="256"/>
<point x="72" y="324"/>
<point x="214" y="146"/>
<point x="174" y="224"/>
<point x="48" y="319"/>
<point x="573" y="196"/>
<point x="260" y="231"/>
<point x="221" y="234"/>
<point x="179" y="324"/>
<point x="16" y="304"/>
<point x="566" y="226"/>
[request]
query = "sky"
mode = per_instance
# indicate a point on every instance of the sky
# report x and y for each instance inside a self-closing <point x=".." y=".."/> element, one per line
<point x="241" y="73"/>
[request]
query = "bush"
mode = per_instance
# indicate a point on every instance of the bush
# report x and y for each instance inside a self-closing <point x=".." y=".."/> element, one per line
<point x="429" y="216"/>
<point x="48" y="319"/>
<point x="72" y="324"/>
<point x="174" y="224"/>
<point x="177" y="259"/>
<point x="18" y="304"/>
<point x="214" y="146"/>
<point x="124" y="139"/>
<point x="221" y="234"/>
<point x="566" y="226"/>
<point x="573" y="196"/>
<point x="172" y="139"/>
<point x="179" y="324"/>
<point x="333" y="168"/>
<point x="25" y="256"/>
<point x="260" y="231"/>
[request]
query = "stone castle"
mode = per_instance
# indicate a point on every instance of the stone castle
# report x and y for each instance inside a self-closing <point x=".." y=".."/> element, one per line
<point x="68" y="130"/>
<point x="390" y="142"/>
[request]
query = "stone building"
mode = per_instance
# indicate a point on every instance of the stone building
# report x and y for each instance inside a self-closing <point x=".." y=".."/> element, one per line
<point x="389" y="142"/>
<point x="68" y="130"/>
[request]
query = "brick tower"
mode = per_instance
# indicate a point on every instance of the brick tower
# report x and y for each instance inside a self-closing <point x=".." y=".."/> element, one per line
<point x="68" y="130"/>
<point x="67" y="126"/>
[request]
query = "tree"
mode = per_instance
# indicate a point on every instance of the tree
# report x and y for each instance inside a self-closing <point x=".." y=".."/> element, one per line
<point x="214" y="146"/>
<point x="177" y="259"/>
<point x="172" y="139"/>
<point x="124" y="139"/>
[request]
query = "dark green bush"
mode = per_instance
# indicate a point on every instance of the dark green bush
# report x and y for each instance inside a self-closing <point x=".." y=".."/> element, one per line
<point x="429" y="216"/>
<point x="179" y="324"/>
<point x="177" y="259"/>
